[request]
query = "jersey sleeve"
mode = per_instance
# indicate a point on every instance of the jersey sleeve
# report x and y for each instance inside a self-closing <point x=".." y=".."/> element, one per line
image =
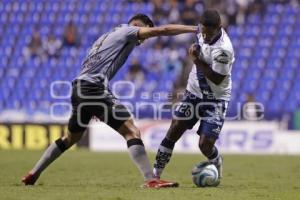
<point x="221" y="61"/>
<point x="130" y="32"/>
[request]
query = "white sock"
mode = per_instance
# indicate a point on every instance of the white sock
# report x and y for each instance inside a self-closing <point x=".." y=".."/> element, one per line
<point x="139" y="156"/>
<point x="51" y="154"/>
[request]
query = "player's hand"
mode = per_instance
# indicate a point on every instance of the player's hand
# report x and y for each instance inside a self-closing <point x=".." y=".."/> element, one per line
<point x="194" y="51"/>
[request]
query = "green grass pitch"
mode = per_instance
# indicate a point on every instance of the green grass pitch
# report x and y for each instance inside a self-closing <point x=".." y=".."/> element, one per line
<point x="85" y="175"/>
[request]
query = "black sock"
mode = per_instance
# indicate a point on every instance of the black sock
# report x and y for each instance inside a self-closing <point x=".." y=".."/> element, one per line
<point x="61" y="145"/>
<point x="163" y="156"/>
<point x="214" y="155"/>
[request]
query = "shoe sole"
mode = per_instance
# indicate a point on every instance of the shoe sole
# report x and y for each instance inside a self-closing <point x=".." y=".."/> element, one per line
<point x="171" y="185"/>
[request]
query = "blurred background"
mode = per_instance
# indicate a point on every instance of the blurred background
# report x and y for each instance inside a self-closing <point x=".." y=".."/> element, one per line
<point x="42" y="45"/>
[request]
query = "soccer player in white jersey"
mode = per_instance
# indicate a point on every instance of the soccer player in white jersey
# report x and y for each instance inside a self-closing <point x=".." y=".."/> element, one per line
<point x="207" y="94"/>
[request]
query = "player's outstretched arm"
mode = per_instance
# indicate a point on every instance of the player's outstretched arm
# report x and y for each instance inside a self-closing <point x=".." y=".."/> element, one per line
<point x="165" y="30"/>
<point x="208" y="72"/>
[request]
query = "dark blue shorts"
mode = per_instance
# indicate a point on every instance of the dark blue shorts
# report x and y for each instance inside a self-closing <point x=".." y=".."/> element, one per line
<point x="89" y="100"/>
<point x="210" y="112"/>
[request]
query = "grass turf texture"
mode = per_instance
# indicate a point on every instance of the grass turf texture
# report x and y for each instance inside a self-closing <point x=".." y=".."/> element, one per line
<point x="112" y="176"/>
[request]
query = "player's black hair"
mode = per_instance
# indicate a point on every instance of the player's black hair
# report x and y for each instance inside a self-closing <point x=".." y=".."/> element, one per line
<point x="210" y="18"/>
<point x="144" y="18"/>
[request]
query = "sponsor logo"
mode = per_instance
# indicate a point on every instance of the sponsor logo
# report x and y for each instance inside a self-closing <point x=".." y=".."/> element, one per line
<point x="217" y="130"/>
<point x="30" y="136"/>
<point x="222" y="58"/>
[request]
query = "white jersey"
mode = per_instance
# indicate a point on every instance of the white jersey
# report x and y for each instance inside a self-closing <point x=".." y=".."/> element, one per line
<point x="220" y="56"/>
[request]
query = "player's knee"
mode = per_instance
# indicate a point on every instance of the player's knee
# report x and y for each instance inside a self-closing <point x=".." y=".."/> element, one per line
<point x="132" y="132"/>
<point x="176" y="130"/>
<point x="129" y="131"/>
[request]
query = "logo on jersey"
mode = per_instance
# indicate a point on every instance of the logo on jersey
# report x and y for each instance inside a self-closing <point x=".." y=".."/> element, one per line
<point x="222" y="58"/>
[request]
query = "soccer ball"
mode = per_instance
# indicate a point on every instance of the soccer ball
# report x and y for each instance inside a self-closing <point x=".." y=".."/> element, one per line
<point x="205" y="174"/>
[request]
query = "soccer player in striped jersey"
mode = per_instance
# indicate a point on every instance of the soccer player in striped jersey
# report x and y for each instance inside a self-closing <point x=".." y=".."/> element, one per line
<point x="207" y="94"/>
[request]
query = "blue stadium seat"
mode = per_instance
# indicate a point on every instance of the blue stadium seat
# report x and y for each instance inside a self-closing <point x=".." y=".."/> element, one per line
<point x="267" y="53"/>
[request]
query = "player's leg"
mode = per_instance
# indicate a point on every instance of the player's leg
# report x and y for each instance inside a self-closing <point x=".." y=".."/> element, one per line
<point x="184" y="118"/>
<point x="211" y="152"/>
<point x="56" y="149"/>
<point x="118" y="117"/>
<point x="210" y="127"/>
<point x="120" y="120"/>
<point x="207" y="146"/>
<point x="51" y="154"/>
<point x="166" y="147"/>
<point x="136" y="148"/>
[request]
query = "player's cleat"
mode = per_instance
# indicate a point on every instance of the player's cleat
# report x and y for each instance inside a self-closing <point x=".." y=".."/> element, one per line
<point x="30" y="179"/>
<point x="157" y="183"/>
<point x="219" y="165"/>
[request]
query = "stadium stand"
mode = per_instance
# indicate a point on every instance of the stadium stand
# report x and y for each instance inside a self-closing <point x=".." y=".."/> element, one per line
<point x="267" y="55"/>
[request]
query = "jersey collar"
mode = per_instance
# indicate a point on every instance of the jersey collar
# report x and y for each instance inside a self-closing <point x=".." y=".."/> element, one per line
<point x="216" y="38"/>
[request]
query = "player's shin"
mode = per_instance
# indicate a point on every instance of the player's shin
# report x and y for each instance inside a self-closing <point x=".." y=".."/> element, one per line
<point x="216" y="159"/>
<point x="139" y="156"/>
<point x="213" y="157"/>
<point x="163" y="156"/>
<point x="51" y="154"/>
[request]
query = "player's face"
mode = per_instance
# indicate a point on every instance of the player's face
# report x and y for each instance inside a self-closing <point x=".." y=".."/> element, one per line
<point x="208" y="33"/>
